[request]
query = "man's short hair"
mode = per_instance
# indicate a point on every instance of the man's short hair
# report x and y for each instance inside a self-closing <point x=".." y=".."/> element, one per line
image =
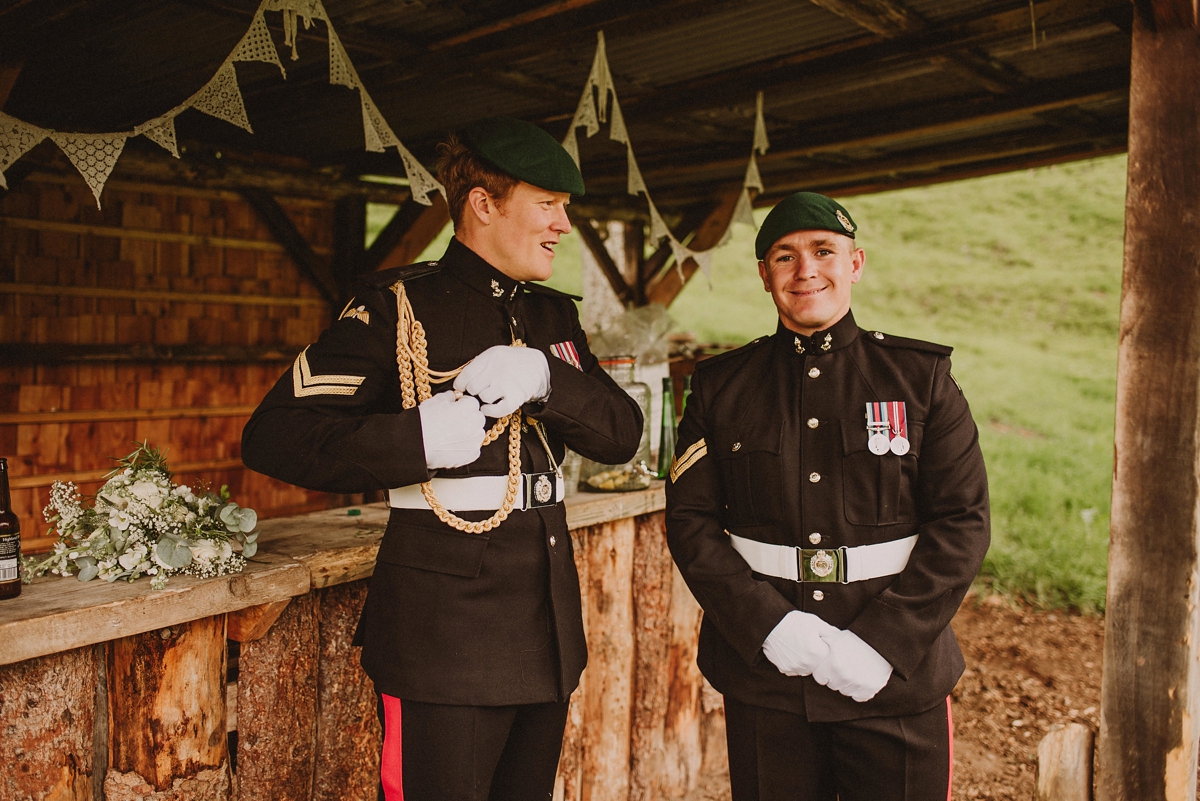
<point x="461" y="169"/>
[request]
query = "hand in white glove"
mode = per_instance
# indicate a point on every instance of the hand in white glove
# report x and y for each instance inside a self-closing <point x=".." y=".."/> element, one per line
<point x="795" y="645"/>
<point x="852" y="668"/>
<point x="505" y="377"/>
<point x="452" y="430"/>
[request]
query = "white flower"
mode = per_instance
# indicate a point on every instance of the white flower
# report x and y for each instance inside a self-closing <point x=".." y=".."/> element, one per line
<point x="205" y="550"/>
<point x="119" y="519"/>
<point x="147" y="492"/>
<point x="133" y="557"/>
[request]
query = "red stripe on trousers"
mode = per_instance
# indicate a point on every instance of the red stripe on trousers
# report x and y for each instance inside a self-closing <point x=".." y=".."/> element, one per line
<point x="391" y="771"/>
<point x="950" y="724"/>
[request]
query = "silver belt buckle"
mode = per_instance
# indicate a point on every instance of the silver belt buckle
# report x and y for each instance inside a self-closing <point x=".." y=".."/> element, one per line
<point x="822" y="565"/>
<point x="539" y="489"/>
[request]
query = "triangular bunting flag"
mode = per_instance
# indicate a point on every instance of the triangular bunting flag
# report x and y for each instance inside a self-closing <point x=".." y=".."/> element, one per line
<point x="704" y="260"/>
<point x="161" y="131"/>
<point x="760" y="126"/>
<point x="616" y="130"/>
<point x="341" y="72"/>
<point x="753" y="179"/>
<point x="726" y="237"/>
<point x="94" y="155"/>
<point x="378" y="133"/>
<point x="16" y="139"/>
<point x="743" y="212"/>
<point x="601" y="78"/>
<point x="257" y="45"/>
<point x="681" y="254"/>
<point x="658" y="228"/>
<point x="571" y="145"/>
<point x="585" y="112"/>
<point x="221" y="98"/>
<point x="636" y="184"/>
<point x="420" y="182"/>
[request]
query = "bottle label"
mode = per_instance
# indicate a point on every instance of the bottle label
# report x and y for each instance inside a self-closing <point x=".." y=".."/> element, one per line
<point x="10" y="557"/>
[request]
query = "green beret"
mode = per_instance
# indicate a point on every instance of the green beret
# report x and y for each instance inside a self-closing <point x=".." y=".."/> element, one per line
<point x="525" y="152"/>
<point x="803" y="211"/>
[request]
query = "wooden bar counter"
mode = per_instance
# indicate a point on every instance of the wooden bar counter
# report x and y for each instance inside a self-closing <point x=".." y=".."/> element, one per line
<point x="117" y="691"/>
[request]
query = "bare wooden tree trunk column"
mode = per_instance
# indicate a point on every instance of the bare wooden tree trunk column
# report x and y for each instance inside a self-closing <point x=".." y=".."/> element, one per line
<point x="166" y="702"/>
<point x="1150" y="711"/>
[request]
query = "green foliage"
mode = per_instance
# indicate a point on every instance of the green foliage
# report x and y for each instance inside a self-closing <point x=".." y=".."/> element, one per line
<point x="1021" y="273"/>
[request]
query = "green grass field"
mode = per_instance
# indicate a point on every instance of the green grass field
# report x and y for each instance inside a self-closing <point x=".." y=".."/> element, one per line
<point x="1021" y="273"/>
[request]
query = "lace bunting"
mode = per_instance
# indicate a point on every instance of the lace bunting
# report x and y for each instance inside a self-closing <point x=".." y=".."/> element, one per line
<point x="94" y="155"/>
<point x="16" y="139"/>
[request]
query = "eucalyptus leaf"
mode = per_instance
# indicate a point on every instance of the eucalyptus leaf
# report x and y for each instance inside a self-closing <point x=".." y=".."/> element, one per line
<point x="225" y="514"/>
<point x="88" y="572"/>
<point x="250" y="537"/>
<point x="172" y="554"/>
<point x="247" y="520"/>
<point x="249" y="549"/>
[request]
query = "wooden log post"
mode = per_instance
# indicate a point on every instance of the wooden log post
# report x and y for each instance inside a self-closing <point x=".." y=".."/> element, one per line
<point x="568" y="784"/>
<point x="48" y="714"/>
<point x="277" y="703"/>
<point x="1150" y="707"/>
<point x="348" y="732"/>
<point x="166" y="703"/>
<point x="1065" y="764"/>
<point x="652" y="569"/>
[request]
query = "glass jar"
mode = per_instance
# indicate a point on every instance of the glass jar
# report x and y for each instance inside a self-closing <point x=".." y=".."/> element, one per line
<point x="636" y="473"/>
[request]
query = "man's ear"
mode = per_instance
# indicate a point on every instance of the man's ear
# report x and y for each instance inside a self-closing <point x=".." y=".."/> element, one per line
<point x="765" y="275"/>
<point x="481" y="205"/>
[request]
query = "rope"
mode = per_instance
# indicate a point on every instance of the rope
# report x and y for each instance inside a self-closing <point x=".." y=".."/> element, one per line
<point x="412" y="359"/>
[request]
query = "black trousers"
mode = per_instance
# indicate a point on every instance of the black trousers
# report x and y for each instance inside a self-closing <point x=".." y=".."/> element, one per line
<point x="438" y="752"/>
<point x="780" y="756"/>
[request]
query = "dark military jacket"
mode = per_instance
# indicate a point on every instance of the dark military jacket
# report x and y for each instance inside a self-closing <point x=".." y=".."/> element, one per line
<point x="450" y="617"/>
<point x="786" y="462"/>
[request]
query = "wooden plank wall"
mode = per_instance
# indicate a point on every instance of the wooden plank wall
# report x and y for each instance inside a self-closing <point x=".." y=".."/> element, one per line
<point x="157" y="266"/>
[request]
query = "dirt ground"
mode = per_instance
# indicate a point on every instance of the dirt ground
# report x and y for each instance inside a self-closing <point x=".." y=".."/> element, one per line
<point x="1027" y="670"/>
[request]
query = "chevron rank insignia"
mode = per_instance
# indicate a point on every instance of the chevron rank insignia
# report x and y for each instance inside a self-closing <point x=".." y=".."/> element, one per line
<point x="697" y="451"/>
<point x="305" y="384"/>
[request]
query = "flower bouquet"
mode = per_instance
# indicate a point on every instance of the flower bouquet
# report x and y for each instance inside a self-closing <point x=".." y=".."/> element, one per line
<point x="140" y="523"/>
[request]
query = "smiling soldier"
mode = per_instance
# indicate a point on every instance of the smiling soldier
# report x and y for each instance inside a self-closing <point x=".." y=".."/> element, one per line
<point x="454" y="385"/>
<point x="828" y="508"/>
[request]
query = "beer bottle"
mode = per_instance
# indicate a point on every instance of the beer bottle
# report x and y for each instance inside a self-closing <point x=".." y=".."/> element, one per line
<point x="666" y="441"/>
<point x="10" y="540"/>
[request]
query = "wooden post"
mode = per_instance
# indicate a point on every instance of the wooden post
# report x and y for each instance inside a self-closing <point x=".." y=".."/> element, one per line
<point x="1065" y="764"/>
<point x="1150" y="707"/>
<point x="48" y="713"/>
<point x="277" y="706"/>
<point x="568" y="784"/>
<point x="652" y="568"/>
<point x="166" y="703"/>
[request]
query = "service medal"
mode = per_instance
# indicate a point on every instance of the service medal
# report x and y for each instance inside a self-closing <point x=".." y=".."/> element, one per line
<point x="878" y="441"/>
<point x="898" y="428"/>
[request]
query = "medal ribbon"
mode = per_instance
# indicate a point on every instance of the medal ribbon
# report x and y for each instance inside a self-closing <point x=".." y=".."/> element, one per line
<point x="899" y="420"/>
<point x="877" y="417"/>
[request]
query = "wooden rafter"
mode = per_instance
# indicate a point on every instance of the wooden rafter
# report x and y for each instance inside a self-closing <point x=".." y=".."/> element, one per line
<point x="426" y="223"/>
<point x="508" y="23"/>
<point x="884" y="17"/>
<point x="285" y="232"/>
<point x="595" y="245"/>
<point x="8" y="78"/>
<point x="671" y="282"/>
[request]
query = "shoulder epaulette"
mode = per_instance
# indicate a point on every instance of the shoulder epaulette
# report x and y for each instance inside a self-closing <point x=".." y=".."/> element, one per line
<point x="720" y="357"/>
<point x="890" y="341"/>
<point x="542" y="289"/>
<point x="409" y="272"/>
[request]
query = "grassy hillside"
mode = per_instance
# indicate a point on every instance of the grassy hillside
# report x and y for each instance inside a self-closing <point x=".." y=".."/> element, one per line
<point x="1021" y="274"/>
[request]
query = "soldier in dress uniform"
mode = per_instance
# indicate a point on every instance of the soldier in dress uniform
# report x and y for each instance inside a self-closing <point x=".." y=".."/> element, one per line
<point x="828" y="508"/>
<point x="454" y="385"/>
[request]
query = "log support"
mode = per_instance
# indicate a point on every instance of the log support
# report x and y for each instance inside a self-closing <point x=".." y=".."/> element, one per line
<point x="416" y="227"/>
<point x="1065" y="764"/>
<point x="284" y="231"/>
<point x="1150" y="706"/>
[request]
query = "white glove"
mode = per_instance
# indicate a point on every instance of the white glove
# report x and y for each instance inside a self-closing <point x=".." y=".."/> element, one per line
<point x="505" y="377"/>
<point x="452" y="430"/>
<point x="852" y="668"/>
<point x="795" y="645"/>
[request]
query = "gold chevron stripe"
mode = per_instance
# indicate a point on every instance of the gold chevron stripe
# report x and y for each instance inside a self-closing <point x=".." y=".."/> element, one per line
<point x="305" y="384"/>
<point x="695" y="453"/>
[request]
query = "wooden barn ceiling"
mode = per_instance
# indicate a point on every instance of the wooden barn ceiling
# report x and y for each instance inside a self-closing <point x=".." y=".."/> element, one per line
<point x="860" y="95"/>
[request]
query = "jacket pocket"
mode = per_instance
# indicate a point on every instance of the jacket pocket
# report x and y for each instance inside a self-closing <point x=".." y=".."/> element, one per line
<point x="442" y="550"/>
<point x="879" y="490"/>
<point x="751" y="474"/>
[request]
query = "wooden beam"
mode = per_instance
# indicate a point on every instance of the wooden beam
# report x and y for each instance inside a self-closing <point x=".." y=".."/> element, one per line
<point x="8" y="78"/>
<point x="109" y="415"/>
<point x="392" y="234"/>
<point x="1150" y="698"/>
<point x="156" y="295"/>
<point x="253" y="622"/>
<point x="284" y="231"/>
<point x="349" y="242"/>
<point x="884" y="17"/>
<point x="84" y="476"/>
<point x="508" y="23"/>
<point x="57" y="353"/>
<point x="595" y="245"/>
<point x="689" y="221"/>
<point x="424" y="229"/>
<point x="671" y="283"/>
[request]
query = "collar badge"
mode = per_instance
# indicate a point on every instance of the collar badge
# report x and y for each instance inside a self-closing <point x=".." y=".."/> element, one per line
<point x="828" y="343"/>
<point x="799" y="347"/>
<point x="497" y="291"/>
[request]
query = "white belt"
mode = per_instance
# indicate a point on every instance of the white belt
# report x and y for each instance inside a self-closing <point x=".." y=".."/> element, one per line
<point x="841" y="565"/>
<point x="474" y="493"/>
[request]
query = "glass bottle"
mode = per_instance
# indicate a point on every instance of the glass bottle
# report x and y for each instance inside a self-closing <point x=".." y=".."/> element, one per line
<point x="666" y="442"/>
<point x="687" y="391"/>
<point x="634" y="474"/>
<point x="10" y="540"/>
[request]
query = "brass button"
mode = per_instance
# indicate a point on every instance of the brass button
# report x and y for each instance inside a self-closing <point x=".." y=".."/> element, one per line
<point x="814" y="477"/>
<point x="813" y="373"/>
<point x="877" y="334"/>
<point x="814" y="538"/>
<point x="818" y="595"/>
<point x="553" y="541"/>
<point x="813" y="422"/>
<point x="737" y="446"/>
